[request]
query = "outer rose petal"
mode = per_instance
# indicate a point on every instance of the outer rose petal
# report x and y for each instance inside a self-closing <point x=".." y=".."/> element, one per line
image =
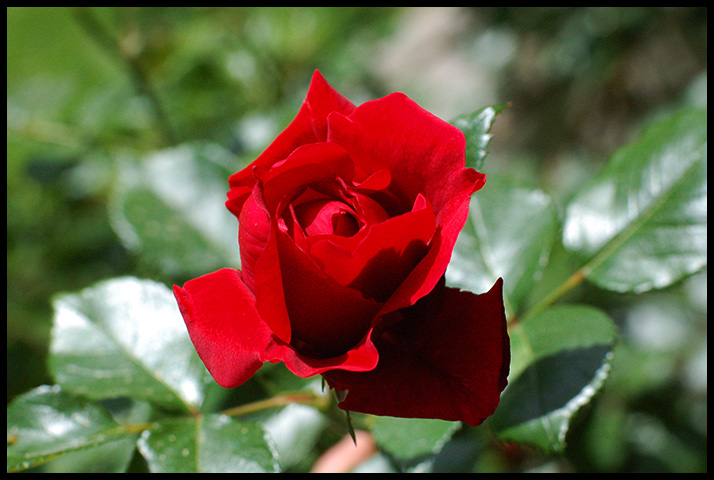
<point x="448" y="358"/>
<point x="224" y="325"/>
<point x="233" y="341"/>
<point x="363" y="357"/>
<point x="309" y="126"/>
<point x="329" y="318"/>
<point x="261" y="274"/>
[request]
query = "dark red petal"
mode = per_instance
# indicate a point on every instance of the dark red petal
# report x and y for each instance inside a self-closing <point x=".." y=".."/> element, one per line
<point x="309" y="126"/>
<point x="361" y="358"/>
<point x="384" y="257"/>
<point x="427" y="274"/>
<point x="224" y="325"/>
<point x="327" y="319"/>
<point x="326" y="217"/>
<point x="448" y="358"/>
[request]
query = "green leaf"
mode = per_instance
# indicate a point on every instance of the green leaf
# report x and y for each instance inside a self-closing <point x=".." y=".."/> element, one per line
<point x="509" y="233"/>
<point x="169" y="208"/>
<point x="476" y="127"/>
<point x="46" y="423"/>
<point x="642" y="223"/>
<point x="560" y="358"/>
<point x="538" y="408"/>
<point x="562" y="327"/>
<point x="125" y="338"/>
<point x="410" y="438"/>
<point x="211" y="444"/>
<point x="295" y="430"/>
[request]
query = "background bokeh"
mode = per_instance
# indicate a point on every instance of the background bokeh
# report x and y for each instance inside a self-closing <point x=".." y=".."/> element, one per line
<point x="89" y="85"/>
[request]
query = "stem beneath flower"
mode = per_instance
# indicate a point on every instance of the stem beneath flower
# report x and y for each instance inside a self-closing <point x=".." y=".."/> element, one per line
<point x="305" y="397"/>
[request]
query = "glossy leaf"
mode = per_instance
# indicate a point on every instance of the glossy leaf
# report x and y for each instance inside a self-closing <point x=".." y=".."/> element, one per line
<point x="411" y="438"/>
<point x="125" y="337"/>
<point x="542" y="403"/>
<point x="46" y="424"/>
<point x="476" y="127"/>
<point x="169" y="208"/>
<point x="295" y="430"/>
<point x="509" y="234"/>
<point x="642" y="223"/>
<point x="560" y="358"/>
<point x="210" y="444"/>
<point x="559" y="328"/>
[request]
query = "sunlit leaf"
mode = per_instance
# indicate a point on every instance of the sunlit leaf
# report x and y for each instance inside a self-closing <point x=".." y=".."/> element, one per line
<point x="476" y="127"/>
<point x="210" y="444"/>
<point x="125" y="338"/>
<point x="45" y="424"/>
<point x="509" y="234"/>
<point x="169" y="208"/>
<point x="295" y="430"/>
<point x="642" y="223"/>
<point x="559" y="328"/>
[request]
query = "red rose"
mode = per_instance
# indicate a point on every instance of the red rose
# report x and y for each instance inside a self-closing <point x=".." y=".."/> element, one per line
<point x="347" y="223"/>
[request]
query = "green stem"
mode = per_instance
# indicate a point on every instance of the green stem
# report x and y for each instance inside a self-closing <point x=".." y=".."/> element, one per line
<point x="137" y="73"/>
<point x="137" y="428"/>
<point x="306" y="397"/>
<point x="572" y="282"/>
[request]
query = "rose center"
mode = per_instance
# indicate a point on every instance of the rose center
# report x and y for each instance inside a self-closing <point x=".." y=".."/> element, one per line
<point x="327" y="217"/>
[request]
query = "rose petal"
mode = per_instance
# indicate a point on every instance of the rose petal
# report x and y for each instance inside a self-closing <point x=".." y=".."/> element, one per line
<point x="261" y="272"/>
<point x="314" y="163"/>
<point x="224" y="325"/>
<point x="309" y="126"/>
<point x="426" y="158"/>
<point x="253" y="237"/>
<point x="430" y="270"/>
<point x="375" y="181"/>
<point x="326" y="217"/>
<point x="367" y="209"/>
<point x="385" y="256"/>
<point x="233" y="341"/>
<point x="448" y="358"/>
<point x="327" y="319"/>
<point x="423" y="153"/>
<point x="362" y="357"/>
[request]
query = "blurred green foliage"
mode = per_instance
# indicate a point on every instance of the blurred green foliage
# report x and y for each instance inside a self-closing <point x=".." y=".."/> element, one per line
<point x="91" y="90"/>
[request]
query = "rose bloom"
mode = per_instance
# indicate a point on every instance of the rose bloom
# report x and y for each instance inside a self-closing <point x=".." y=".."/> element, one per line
<point x="347" y="222"/>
